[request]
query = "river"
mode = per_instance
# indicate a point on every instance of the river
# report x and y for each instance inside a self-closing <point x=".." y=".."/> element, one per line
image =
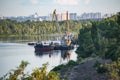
<point x="12" y="53"/>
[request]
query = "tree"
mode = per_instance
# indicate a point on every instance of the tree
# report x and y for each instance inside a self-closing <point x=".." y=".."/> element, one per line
<point x="86" y="46"/>
<point x="37" y="74"/>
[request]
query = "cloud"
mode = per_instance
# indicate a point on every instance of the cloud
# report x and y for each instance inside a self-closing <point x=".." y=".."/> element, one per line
<point x="34" y="1"/>
<point x="87" y="1"/>
<point x="66" y="2"/>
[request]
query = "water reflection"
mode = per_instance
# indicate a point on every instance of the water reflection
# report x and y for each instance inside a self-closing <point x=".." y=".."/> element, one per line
<point x="29" y="38"/>
<point x="65" y="55"/>
<point x="49" y="53"/>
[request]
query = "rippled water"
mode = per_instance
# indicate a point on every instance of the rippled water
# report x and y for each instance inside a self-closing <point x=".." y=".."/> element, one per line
<point x="11" y="54"/>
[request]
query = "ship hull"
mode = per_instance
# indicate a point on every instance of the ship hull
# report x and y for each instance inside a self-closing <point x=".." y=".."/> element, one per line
<point x="44" y="48"/>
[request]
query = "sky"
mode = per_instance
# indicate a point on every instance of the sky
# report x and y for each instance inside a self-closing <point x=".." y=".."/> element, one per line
<point x="45" y="7"/>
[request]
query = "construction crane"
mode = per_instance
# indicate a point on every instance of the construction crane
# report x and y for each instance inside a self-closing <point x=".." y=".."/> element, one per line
<point x="54" y="16"/>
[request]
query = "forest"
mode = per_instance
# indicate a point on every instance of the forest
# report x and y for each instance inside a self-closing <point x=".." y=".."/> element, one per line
<point x="13" y="28"/>
<point x="102" y="39"/>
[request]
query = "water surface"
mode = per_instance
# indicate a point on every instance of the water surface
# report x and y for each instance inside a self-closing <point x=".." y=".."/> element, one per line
<point x="12" y="53"/>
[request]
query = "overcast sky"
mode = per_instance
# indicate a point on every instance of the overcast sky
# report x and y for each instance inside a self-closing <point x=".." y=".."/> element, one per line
<point x="44" y="7"/>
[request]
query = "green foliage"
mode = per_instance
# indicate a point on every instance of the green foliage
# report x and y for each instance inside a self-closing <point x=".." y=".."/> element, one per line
<point x="17" y="72"/>
<point x="72" y="63"/>
<point x="9" y="27"/>
<point x="114" y="70"/>
<point x="37" y="74"/>
<point x="59" y="67"/>
<point x="100" y="67"/>
<point x="23" y="64"/>
<point x="96" y="64"/>
<point x="86" y="46"/>
<point x="113" y="52"/>
<point x="104" y="39"/>
<point x="80" y="59"/>
<point x="100" y="38"/>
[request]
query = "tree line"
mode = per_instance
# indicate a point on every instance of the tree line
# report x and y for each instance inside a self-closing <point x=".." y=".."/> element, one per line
<point x="9" y="27"/>
<point x="102" y="39"/>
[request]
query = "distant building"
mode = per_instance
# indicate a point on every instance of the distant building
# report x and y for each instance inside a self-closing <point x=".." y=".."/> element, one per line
<point x="73" y="16"/>
<point x="60" y="17"/>
<point x="64" y="16"/>
<point x="107" y="15"/>
<point x="1" y="17"/>
<point x="90" y="16"/>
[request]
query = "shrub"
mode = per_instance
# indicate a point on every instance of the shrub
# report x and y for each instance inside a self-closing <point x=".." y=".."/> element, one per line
<point x="100" y="68"/>
<point x="72" y="63"/>
<point x="59" y="67"/>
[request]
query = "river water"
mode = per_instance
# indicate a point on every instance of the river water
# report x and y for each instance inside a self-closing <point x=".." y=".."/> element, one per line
<point x="12" y="53"/>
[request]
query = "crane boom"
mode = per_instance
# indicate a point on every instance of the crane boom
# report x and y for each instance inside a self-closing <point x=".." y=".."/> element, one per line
<point x="54" y="16"/>
<point x="67" y="26"/>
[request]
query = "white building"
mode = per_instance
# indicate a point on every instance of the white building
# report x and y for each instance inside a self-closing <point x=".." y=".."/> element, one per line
<point x="90" y="16"/>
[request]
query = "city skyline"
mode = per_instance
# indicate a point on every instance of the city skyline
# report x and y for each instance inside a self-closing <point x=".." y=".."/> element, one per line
<point x="45" y="7"/>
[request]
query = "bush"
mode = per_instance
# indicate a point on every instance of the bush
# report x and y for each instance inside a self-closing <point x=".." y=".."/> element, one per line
<point x="72" y="63"/>
<point x="99" y="67"/>
<point x="114" y="70"/>
<point x="62" y="66"/>
<point x="79" y="59"/>
<point x="59" y="67"/>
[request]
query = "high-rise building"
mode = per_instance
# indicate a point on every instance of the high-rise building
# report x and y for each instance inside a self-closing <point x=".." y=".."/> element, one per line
<point x="59" y="18"/>
<point x="90" y="16"/>
<point x="107" y="15"/>
<point x="64" y="16"/>
<point x="73" y="16"/>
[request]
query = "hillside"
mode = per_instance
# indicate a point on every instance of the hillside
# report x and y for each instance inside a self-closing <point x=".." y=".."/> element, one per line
<point x="84" y="70"/>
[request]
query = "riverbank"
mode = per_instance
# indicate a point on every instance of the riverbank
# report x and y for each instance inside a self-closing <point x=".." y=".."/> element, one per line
<point x="83" y="71"/>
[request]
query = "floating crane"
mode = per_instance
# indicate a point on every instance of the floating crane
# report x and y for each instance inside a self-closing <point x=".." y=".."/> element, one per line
<point x="59" y="44"/>
<point x="67" y="39"/>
